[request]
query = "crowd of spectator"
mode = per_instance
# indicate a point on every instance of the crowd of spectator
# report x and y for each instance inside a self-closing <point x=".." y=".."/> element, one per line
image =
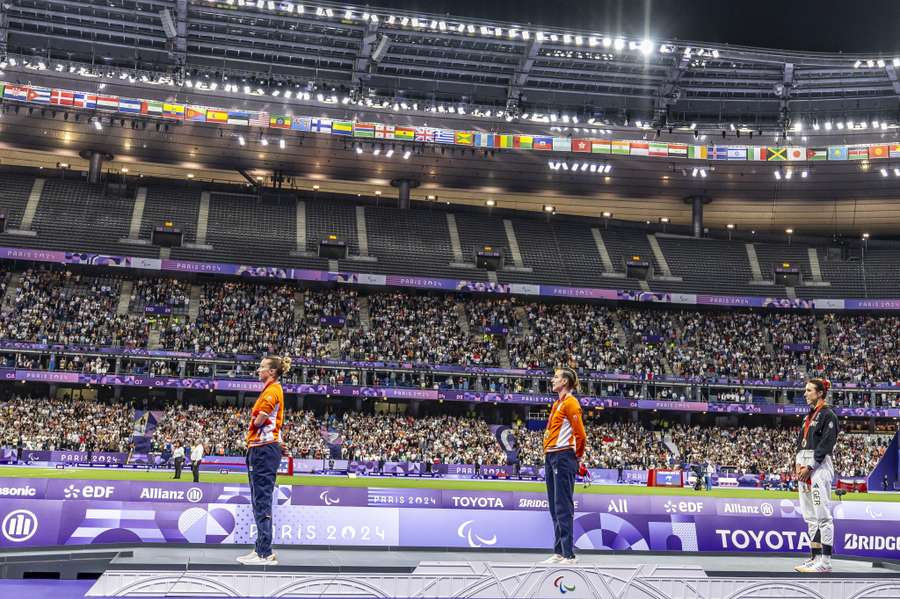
<point x="66" y="307"/>
<point x="62" y="306"/>
<point x="75" y="424"/>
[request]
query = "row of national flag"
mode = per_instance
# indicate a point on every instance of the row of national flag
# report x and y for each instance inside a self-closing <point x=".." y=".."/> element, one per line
<point x="476" y="139"/>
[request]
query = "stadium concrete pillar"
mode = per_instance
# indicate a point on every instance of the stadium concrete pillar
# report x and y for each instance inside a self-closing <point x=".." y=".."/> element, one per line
<point x="95" y="163"/>
<point x="697" y="202"/>
<point x="403" y="188"/>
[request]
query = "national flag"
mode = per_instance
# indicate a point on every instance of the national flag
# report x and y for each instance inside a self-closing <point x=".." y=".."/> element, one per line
<point x="320" y="126"/>
<point x="776" y="154"/>
<point x="384" y="131"/>
<point x="817" y="153"/>
<point x="342" y="127"/>
<point x="464" y="138"/>
<point x="154" y="107"/>
<point x="581" y="145"/>
<point x="837" y="152"/>
<point x="876" y="152"/>
<point x="195" y="114"/>
<point x="130" y="105"/>
<point x="620" y="147"/>
<point x="660" y="149"/>
<point x="485" y="140"/>
<point x="425" y="134"/>
<point x="173" y="111"/>
<point x="279" y="121"/>
<point x="796" y="153"/>
<point x="85" y="100"/>
<point x="366" y="130"/>
<point x="445" y="136"/>
<point x="505" y="141"/>
<point x="404" y="133"/>
<point x="259" y="119"/>
<point x="62" y="97"/>
<point x="215" y="116"/>
<point x="543" y="142"/>
<point x="678" y="150"/>
<point x="108" y="103"/>
<point x="640" y="148"/>
<point x="895" y="150"/>
<point x="300" y="123"/>
<point x="15" y="92"/>
<point x="758" y="153"/>
<point x="698" y="152"/>
<point x="523" y="142"/>
<point x="562" y="144"/>
<point x="727" y="153"/>
<point x="600" y="146"/>
<point x="238" y="117"/>
<point x="858" y="152"/>
<point x="39" y="95"/>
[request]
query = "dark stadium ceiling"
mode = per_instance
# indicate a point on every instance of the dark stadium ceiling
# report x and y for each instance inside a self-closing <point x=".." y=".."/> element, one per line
<point x="409" y="68"/>
<point x="374" y="56"/>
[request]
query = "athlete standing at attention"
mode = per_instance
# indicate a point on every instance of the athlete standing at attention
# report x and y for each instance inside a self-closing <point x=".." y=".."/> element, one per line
<point x="564" y="441"/>
<point x="815" y="473"/>
<point x="264" y="455"/>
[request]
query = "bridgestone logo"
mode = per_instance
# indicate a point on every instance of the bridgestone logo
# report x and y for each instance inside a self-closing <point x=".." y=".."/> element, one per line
<point x="855" y="542"/>
<point x="18" y="492"/>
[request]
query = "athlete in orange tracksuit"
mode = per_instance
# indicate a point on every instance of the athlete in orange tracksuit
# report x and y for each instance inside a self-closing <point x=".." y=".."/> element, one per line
<point x="564" y="441"/>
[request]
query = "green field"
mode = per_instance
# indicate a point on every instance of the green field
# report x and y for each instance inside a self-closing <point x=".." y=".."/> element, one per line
<point x="470" y="485"/>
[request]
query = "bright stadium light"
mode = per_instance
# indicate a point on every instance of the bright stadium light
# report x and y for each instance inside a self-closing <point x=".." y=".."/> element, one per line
<point x="263" y="141"/>
<point x="281" y="144"/>
<point x="884" y="172"/>
<point x="389" y="153"/>
<point x="406" y="155"/>
<point x="778" y="175"/>
<point x="241" y="140"/>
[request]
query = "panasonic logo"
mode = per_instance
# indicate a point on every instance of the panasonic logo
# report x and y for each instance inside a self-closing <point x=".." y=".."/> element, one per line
<point x="26" y="491"/>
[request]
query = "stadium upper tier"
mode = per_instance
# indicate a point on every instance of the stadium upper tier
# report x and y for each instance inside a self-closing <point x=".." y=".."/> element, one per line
<point x="432" y="240"/>
<point x="364" y="56"/>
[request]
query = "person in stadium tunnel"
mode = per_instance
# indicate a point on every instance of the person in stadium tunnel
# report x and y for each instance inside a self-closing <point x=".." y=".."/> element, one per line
<point x="815" y="474"/>
<point x="264" y="455"/>
<point x="564" y="446"/>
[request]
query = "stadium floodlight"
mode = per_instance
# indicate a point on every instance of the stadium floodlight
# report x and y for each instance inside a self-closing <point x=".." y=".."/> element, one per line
<point x="804" y="174"/>
<point x="359" y="149"/>
<point x="389" y="153"/>
<point x="865" y="236"/>
<point x="857" y="64"/>
<point x="281" y="144"/>
<point x="695" y="171"/>
<point x="884" y="172"/>
<point x="788" y="174"/>
<point x="664" y="220"/>
<point x="315" y="187"/>
<point x="263" y="141"/>
<point x="490" y="203"/>
<point x="646" y="47"/>
<point x="376" y="151"/>
<point x="619" y="43"/>
<point x="703" y="173"/>
<point x="607" y="215"/>
<point x="840" y="125"/>
<point x="778" y="175"/>
<point x="880" y="63"/>
<point x="897" y="172"/>
<point x="607" y="169"/>
<point x="730" y="226"/>
<point x="789" y="231"/>
<point x="548" y="208"/>
<point x="875" y="124"/>
<point x="241" y="140"/>
<point x="896" y="62"/>
<point x="607" y="41"/>
<point x="406" y="155"/>
<point x="98" y="125"/>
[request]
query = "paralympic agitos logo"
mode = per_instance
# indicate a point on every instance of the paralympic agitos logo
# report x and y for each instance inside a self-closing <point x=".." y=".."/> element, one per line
<point x="562" y="586"/>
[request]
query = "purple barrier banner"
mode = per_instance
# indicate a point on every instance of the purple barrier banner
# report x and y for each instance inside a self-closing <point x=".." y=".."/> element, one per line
<point x="74" y="457"/>
<point x="579" y="292"/>
<point x="158" y="310"/>
<point x="681" y="406"/>
<point x="333" y="321"/>
<point x="495" y="330"/>
<point x="872" y="304"/>
<point x="45" y="513"/>
<point x="797" y="347"/>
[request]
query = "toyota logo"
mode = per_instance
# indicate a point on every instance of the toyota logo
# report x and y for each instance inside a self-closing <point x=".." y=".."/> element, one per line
<point x="18" y="526"/>
<point x="194" y="494"/>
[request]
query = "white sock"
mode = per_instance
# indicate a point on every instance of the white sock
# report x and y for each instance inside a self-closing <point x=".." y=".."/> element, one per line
<point x="826" y="559"/>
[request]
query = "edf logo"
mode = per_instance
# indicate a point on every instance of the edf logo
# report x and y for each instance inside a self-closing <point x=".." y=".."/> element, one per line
<point x="89" y="492"/>
<point x="18" y="526"/>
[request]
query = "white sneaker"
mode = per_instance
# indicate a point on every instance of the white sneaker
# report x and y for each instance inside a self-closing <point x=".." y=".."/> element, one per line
<point x="261" y="561"/>
<point x="818" y="566"/>
<point x="251" y="555"/>
<point x="809" y="563"/>
<point x="553" y="559"/>
<point x="568" y="561"/>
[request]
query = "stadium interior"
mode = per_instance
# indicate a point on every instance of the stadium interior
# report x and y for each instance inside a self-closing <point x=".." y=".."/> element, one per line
<point x="696" y="229"/>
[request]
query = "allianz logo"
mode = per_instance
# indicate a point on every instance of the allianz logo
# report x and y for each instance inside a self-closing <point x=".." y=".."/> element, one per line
<point x="26" y="491"/>
<point x="763" y="509"/>
<point x="193" y="495"/>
